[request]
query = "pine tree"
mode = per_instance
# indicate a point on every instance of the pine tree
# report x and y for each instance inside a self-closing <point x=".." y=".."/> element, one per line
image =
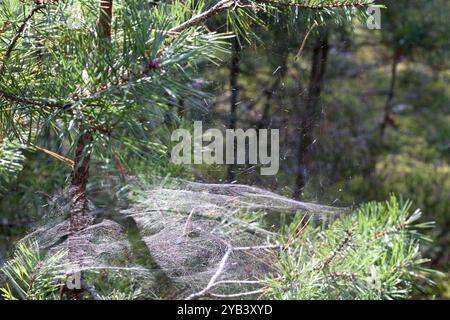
<point x="95" y="72"/>
<point x="411" y="28"/>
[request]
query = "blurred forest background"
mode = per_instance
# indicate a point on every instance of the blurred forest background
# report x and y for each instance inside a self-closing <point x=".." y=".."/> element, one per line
<point x="362" y="114"/>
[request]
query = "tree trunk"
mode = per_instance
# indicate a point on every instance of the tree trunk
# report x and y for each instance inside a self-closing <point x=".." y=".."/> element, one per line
<point x="264" y="122"/>
<point x="105" y="18"/>
<point x="309" y="119"/>
<point x="80" y="217"/>
<point x="387" y="118"/>
<point x="79" y="211"/>
<point x="234" y="87"/>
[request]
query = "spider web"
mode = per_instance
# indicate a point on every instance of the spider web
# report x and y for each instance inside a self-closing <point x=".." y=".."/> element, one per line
<point x="188" y="236"/>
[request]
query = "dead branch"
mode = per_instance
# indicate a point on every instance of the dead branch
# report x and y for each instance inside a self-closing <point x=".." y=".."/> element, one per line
<point x="200" y="18"/>
<point x="239" y="294"/>
<point x="213" y="281"/>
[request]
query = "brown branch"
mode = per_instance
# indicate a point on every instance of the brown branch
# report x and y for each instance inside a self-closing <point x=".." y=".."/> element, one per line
<point x="34" y="276"/>
<point x="200" y="18"/>
<point x="59" y="157"/>
<point x="330" y="6"/>
<point x="19" y="33"/>
<point x="80" y="217"/>
<point x="393" y="230"/>
<point x="226" y="4"/>
<point x="79" y="178"/>
<point x="302" y="47"/>
<point x="36" y="102"/>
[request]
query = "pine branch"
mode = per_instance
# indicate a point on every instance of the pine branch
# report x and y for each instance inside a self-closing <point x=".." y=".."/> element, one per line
<point x="311" y="6"/>
<point x="51" y="103"/>
<point x="19" y="33"/>
<point x="340" y="248"/>
<point x="202" y="17"/>
<point x="174" y="32"/>
<point x="227" y="4"/>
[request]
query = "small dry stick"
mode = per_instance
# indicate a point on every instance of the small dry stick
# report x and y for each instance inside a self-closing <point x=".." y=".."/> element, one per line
<point x="302" y="47"/>
<point x="188" y="221"/>
<point x="237" y="295"/>
<point x="59" y="157"/>
<point x="213" y="279"/>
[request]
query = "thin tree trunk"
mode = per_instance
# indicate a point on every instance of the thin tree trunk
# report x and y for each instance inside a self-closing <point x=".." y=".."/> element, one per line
<point x="387" y="118"/>
<point x="79" y="206"/>
<point x="80" y="217"/>
<point x="309" y="119"/>
<point x="234" y="87"/>
<point x="105" y="18"/>
<point x="264" y="122"/>
<point x="79" y="210"/>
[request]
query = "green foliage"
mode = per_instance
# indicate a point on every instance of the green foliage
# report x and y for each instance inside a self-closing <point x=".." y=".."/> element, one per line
<point x="372" y="253"/>
<point x="417" y="27"/>
<point x="11" y="162"/>
<point x="117" y="285"/>
<point x="69" y="75"/>
<point x="32" y="275"/>
<point x="58" y="72"/>
<point x="429" y="183"/>
<point x="29" y="275"/>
